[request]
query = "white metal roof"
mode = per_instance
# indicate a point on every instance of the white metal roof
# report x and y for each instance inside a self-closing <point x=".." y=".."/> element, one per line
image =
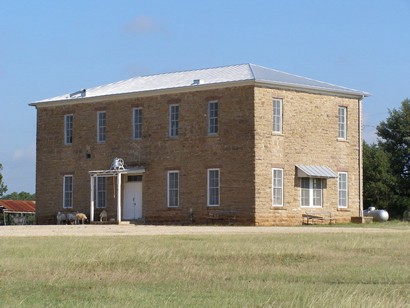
<point x="206" y="77"/>
<point x="305" y="171"/>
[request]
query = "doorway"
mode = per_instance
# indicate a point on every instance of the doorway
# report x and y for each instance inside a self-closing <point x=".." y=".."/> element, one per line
<point x="133" y="198"/>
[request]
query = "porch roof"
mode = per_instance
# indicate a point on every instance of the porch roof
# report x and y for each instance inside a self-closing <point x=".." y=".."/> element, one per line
<point x="115" y="172"/>
<point x="306" y="171"/>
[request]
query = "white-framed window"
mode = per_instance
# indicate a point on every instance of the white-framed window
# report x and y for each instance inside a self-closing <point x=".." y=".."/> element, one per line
<point x="101" y="126"/>
<point x="213" y="109"/>
<point x="311" y="191"/>
<point x="277" y="115"/>
<point x="173" y="120"/>
<point x="343" y="191"/>
<point x="137" y="123"/>
<point x="342" y="123"/>
<point x="101" y="201"/>
<point x="173" y="188"/>
<point x="277" y="187"/>
<point x="68" y="128"/>
<point x="68" y="192"/>
<point x="213" y="187"/>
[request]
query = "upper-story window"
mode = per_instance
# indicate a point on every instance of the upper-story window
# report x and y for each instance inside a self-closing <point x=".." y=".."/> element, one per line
<point x="277" y="115"/>
<point x="173" y="120"/>
<point x="342" y="120"/>
<point x="342" y="183"/>
<point x="101" y="126"/>
<point x="213" y="118"/>
<point x="311" y="192"/>
<point x="68" y="192"/>
<point x="137" y="123"/>
<point x="277" y="187"/>
<point x="68" y="129"/>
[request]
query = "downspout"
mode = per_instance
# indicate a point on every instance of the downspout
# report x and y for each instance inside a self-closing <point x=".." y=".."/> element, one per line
<point x="360" y="157"/>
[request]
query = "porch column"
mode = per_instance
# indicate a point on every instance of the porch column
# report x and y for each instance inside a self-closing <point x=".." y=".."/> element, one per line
<point x="92" y="181"/>
<point x="119" y="197"/>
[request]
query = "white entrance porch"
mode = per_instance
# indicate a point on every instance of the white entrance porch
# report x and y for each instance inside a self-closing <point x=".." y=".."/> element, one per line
<point x="118" y="172"/>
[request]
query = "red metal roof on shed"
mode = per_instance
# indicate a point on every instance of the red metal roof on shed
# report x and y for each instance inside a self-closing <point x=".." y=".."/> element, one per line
<point x="18" y="205"/>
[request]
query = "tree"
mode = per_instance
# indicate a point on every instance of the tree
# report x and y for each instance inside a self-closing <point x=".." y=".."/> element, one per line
<point x="19" y="196"/>
<point x="394" y="139"/>
<point x="378" y="179"/>
<point x="3" y="188"/>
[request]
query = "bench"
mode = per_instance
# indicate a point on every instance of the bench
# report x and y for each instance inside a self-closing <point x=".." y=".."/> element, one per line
<point x="221" y="215"/>
<point x="310" y="218"/>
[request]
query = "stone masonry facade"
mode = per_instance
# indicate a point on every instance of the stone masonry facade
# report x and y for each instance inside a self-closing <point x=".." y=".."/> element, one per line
<point x="244" y="151"/>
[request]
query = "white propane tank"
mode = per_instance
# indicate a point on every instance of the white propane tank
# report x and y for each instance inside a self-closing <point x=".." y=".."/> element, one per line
<point x="378" y="215"/>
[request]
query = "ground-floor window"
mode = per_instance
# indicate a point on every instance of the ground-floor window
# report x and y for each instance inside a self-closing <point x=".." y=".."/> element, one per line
<point x="311" y="192"/>
<point x="213" y="187"/>
<point x="342" y="183"/>
<point x="68" y="192"/>
<point x="173" y="189"/>
<point x="277" y="187"/>
<point x="101" y="192"/>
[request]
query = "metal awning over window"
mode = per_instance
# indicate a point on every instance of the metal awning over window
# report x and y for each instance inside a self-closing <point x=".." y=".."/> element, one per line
<point x="307" y="171"/>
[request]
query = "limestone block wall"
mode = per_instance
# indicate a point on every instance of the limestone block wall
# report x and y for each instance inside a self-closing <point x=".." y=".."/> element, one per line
<point x="310" y="137"/>
<point x="192" y="153"/>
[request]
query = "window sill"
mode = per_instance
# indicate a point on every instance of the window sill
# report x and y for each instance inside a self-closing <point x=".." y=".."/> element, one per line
<point x="278" y="208"/>
<point x="342" y="140"/>
<point x="279" y="134"/>
<point x="343" y="209"/>
<point x="311" y="207"/>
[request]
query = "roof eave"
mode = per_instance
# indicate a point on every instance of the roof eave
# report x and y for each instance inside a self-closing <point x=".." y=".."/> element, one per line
<point x="110" y="97"/>
<point x="310" y="89"/>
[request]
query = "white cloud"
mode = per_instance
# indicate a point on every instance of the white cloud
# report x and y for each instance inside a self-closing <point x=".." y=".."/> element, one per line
<point x="144" y="25"/>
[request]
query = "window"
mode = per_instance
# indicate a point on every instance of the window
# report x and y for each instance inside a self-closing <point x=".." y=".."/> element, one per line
<point x="213" y="187"/>
<point x="311" y="192"/>
<point x="137" y="134"/>
<point x="101" y="192"/>
<point x="213" y="118"/>
<point x="68" y="192"/>
<point x="342" y="120"/>
<point x="277" y="115"/>
<point x="68" y="129"/>
<point x="277" y="187"/>
<point x="173" y="120"/>
<point x="101" y="125"/>
<point x="173" y="189"/>
<point x="342" y="182"/>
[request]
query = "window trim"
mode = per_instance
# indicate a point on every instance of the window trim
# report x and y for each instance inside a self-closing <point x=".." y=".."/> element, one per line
<point x="311" y="193"/>
<point x="98" y="190"/>
<point x="345" y="191"/>
<point x="277" y="127"/>
<point x="135" y="123"/>
<point x="277" y="187"/>
<point x="70" y="192"/>
<point x="218" y="203"/>
<point x="342" y="125"/>
<point x="173" y="132"/>
<point x="68" y="129"/>
<point x="99" y="127"/>
<point x="169" y="189"/>
<point x="213" y="129"/>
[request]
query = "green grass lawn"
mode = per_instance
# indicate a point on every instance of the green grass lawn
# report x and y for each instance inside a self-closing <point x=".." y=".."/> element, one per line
<point x="253" y="270"/>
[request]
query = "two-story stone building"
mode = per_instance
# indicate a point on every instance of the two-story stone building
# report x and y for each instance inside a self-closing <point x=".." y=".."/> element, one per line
<point x="246" y="143"/>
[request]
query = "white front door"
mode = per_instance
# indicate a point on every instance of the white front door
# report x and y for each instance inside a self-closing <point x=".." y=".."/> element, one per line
<point x="132" y="199"/>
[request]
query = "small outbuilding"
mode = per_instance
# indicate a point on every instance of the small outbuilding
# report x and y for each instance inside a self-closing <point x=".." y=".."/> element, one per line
<point x="17" y="212"/>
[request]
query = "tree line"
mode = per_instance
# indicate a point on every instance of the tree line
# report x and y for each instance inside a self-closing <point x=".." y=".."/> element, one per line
<point x="386" y="166"/>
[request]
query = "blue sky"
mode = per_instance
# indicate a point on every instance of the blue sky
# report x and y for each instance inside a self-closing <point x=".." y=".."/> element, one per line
<point x="51" y="47"/>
